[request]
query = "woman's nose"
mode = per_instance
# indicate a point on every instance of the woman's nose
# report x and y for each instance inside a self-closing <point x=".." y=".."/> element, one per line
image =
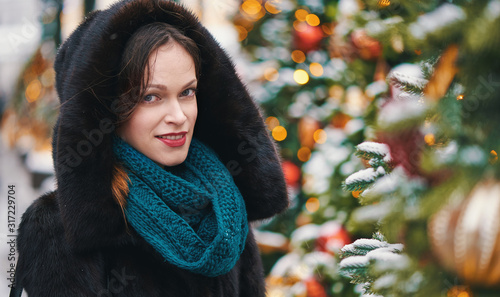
<point x="174" y="114"/>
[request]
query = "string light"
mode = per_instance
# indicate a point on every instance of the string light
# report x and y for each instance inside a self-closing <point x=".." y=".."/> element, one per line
<point x="272" y="122"/>
<point x="430" y="139"/>
<point x="460" y="97"/>
<point x="356" y="194"/>
<point x="304" y="154"/>
<point x="316" y="69"/>
<point x="271" y="8"/>
<point x="384" y="3"/>
<point x="493" y="157"/>
<point x="312" y="204"/>
<point x="300" y="76"/>
<point x="312" y="20"/>
<point x="33" y="90"/>
<point x="242" y="32"/>
<point x="298" y="56"/>
<point x="301" y="14"/>
<point x="271" y="74"/>
<point x="319" y="136"/>
<point x="252" y="7"/>
<point x="279" y="133"/>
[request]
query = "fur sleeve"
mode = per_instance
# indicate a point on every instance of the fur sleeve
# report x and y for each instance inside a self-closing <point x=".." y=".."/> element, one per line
<point x="46" y="266"/>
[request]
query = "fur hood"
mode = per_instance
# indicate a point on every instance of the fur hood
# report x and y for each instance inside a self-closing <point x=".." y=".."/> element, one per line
<point x="228" y="121"/>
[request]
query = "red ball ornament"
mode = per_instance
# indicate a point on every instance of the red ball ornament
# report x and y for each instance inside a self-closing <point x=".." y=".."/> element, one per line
<point x="307" y="38"/>
<point x="314" y="288"/>
<point x="368" y="47"/>
<point x="406" y="148"/>
<point x="291" y="172"/>
<point x="332" y="237"/>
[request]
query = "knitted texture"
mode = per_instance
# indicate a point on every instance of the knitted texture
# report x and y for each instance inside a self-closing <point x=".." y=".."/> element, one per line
<point x="192" y="214"/>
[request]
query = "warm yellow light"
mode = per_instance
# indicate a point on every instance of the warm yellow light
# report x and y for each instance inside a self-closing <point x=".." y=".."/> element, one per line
<point x="430" y="139"/>
<point x="242" y="32"/>
<point x="298" y="56"/>
<point x="271" y="74"/>
<point x="272" y="122"/>
<point x="33" y="90"/>
<point x="48" y="78"/>
<point x="300" y="76"/>
<point x="301" y="14"/>
<point x="463" y="294"/>
<point x="271" y="8"/>
<point x="252" y="7"/>
<point x="304" y="154"/>
<point x="493" y="157"/>
<point x="356" y="194"/>
<point x="279" y="133"/>
<point x="319" y="136"/>
<point x="316" y="69"/>
<point x="312" y="19"/>
<point x="460" y="97"/>
<point x="312" y="204"/>
<point x="299" y="26"/>
<point x="384" y="3"/>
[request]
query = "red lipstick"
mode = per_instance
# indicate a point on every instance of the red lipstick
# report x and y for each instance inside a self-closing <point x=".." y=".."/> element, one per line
<point x="173" y="139"/>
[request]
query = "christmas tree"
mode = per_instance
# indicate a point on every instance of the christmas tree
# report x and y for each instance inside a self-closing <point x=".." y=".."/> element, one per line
<point x="392" y="103"/>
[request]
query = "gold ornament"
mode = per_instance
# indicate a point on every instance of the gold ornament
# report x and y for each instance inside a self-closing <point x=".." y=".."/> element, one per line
<point x="443" y="75"/>
<point x="466" y="238"/>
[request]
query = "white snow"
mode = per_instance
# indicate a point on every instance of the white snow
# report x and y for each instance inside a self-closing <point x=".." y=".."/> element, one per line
<point x="443" y="16"/>
<point x="354" y="126"/>
<point x="285" y="263"/>
<point x="381" y="170"/>
<point x="385" y="281"/>
<point x="380" y="149"/>
<point x="365" y="175"/>
<point x="410" y="80"/>
<point x="400" y="111"/>
<point x="305" y="233"/>
<point x="492" y="10"/>
<point x="348" y="7"/>
<point x="354" y="261"/>
<point x="376" y="88"/>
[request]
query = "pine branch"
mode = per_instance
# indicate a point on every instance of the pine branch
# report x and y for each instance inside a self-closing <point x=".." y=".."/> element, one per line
<point x="368" y="150"/>
<point x="362" y="179"/>
<point x="409" y="84"/>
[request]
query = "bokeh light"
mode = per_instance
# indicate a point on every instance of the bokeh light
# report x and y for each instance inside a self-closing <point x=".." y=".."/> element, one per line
<point x="272" y="122"/>
<point x="312" y="204"/>
<point x="319" y="136"/>
<point x="298" y="56"/>
<point x="271" y="74"/>
<point x="279" y="133"/>
<point x="300" y="76"/>
<point x="33" y="90"/>
<point x="304" y="154"/>
<point x="312" y="20"/>
<point x="316" y="69"/>
<point x="301" y="14"/>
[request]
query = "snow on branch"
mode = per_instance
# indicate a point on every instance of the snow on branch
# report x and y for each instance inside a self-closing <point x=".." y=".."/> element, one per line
<point x="368" y="150"/>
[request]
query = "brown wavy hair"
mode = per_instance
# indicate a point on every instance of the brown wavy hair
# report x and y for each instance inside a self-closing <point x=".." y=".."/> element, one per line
<point x="134" y="78"/>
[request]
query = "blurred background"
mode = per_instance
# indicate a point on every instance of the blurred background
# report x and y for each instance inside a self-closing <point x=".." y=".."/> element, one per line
<point x="386" y="113"/>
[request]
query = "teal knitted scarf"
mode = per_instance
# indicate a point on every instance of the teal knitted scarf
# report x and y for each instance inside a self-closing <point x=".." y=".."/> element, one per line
<point x="192" y="214"/>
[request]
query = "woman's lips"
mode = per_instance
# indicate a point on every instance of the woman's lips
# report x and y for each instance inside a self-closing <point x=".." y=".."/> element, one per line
<point x="173" y="139"/>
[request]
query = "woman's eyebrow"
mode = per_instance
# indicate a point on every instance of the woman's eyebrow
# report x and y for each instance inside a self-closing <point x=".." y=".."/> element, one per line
<point x="164" y="88"/>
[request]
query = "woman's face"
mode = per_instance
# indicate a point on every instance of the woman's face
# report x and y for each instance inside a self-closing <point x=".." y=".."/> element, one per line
<point x="161" y="127"/>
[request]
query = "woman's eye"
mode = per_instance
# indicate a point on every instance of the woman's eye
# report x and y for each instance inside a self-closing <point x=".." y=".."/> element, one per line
<point x="189" y="92"/>
<point x="150" y="98"/>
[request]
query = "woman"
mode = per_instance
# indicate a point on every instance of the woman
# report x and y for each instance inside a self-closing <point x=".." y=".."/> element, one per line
<point x="162" y="160"/>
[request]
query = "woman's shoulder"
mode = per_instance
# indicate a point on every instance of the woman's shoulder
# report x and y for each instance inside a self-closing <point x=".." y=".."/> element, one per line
<point x="42" y="214"/>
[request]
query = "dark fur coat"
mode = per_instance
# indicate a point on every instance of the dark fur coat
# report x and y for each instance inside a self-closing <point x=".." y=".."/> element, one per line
<point x="74" y="241"/>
